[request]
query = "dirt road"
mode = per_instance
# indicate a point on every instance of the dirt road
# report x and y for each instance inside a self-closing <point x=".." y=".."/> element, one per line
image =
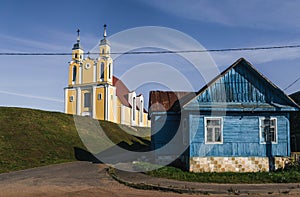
<point x="69" y="179"/>
<point x="82" y="179"/>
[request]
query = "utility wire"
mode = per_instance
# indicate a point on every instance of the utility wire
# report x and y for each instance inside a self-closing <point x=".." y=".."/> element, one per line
<point x="292" y="84"/>
<point x="156" y="52"/>
<point x="164" y="52"/>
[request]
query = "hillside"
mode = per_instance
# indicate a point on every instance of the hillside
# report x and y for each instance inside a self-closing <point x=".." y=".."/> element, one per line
<point x="31" y="138"/>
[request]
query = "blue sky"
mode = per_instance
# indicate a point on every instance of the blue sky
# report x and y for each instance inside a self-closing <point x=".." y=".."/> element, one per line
<point x="50" y="26"/>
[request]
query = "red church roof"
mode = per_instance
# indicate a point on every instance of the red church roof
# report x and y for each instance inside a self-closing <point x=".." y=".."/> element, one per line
<point x="122" y="91"/>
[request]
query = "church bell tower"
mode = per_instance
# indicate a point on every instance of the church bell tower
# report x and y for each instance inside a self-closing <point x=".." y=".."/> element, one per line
<point x="106" y="62"/>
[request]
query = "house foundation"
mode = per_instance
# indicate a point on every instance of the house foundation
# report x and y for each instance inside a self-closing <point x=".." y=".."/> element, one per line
<point x="235" y="164"/>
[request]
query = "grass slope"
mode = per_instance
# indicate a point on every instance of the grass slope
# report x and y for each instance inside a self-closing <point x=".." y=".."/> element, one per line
<point x="31" y="138"/>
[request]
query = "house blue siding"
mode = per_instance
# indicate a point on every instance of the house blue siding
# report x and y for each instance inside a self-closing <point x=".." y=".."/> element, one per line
<point x="163" y="130"/>
<point x="241" y="136"/>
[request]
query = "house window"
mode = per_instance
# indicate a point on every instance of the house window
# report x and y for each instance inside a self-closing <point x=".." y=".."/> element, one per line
<point x="268" y="130"/>
<point x="213" y="130"/>
<point x="71" y="98"/>
<point x="87" y="100"/>
<point x="99" y="96"/>
<point x="102" y="71"/>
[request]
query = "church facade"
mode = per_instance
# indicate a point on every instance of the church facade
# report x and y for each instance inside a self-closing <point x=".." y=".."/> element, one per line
<point x="94" y="91"/>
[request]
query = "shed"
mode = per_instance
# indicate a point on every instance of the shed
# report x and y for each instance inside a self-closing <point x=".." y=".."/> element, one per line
<point x="295" y="126"/>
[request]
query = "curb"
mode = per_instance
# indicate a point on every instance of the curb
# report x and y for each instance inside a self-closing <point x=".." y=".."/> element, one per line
<point x="228" y="190"/>
<point x="144" y="186"/>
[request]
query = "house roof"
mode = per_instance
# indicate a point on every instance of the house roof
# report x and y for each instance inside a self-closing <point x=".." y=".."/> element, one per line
<point x="183" y="101"/>
<point x="165" y="100"/>
<point x="296" y="97"/>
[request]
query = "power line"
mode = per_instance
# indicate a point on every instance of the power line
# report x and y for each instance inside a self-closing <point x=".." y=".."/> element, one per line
<point x="292" y="84"/>
<point x="154" y="52"/>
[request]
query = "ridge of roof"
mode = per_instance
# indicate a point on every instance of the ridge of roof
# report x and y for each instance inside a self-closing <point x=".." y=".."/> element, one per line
<point x="240" y="60"/>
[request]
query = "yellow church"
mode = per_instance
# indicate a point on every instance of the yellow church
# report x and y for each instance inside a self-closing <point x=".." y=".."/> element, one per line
<point x="94" y="91"/>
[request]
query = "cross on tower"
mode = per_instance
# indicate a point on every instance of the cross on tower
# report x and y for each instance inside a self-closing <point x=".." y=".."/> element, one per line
<point x="78" y="36"/>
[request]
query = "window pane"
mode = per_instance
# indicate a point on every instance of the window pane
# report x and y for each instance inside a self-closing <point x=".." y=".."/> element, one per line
<point x="272" y="136"/>
<point x="209" y="136"/>
<point x="215" y="122"/>
<point x="266" y="122"/>
<point x="272" y="122"/>
<point x="208" y="122"/>
<point x="217" y="135"/>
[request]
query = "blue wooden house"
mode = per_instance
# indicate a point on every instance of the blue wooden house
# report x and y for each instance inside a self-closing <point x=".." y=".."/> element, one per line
<point x="238" y="122"/>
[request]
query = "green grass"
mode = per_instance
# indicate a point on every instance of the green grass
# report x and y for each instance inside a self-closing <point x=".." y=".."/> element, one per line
<point x="290" y="174"/>
<point x="31" y="138"/>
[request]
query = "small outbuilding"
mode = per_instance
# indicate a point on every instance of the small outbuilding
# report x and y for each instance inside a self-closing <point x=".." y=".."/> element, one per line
<point x="238" y="122"/>
<point x="295" y="127"/>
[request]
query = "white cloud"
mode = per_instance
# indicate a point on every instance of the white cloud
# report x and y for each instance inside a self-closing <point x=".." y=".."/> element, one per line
<point x="267" y="14"/>
<point x="256" y="56"/>
<point x="23" y="44"/>
<point x="31" y="96"/>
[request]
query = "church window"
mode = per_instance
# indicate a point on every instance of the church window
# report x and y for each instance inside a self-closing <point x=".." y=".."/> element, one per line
<point x="76" y="55"/>
<point x="133" y="109"/>
<point x="99" y="96"/>
<point x="102" y="71"/>
<point x="102" y="51"/>
<point x="87" y="100"/>
<point x="74" y="73"/>
<point x="109" y="71"/>
<point x="141" y="111"/>
<point x="71" y="98"/>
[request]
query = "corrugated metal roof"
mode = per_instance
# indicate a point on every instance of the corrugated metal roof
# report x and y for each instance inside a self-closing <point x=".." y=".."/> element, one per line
<point x="165" y="100"/>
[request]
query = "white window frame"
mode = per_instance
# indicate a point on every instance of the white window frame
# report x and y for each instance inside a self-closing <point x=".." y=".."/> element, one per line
<point x="205" y="129"/>
<point x="261" y="130"/>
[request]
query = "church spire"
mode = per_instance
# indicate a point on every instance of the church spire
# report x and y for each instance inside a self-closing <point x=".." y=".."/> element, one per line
<point x="77" y="44"/>
<point x="78" y="36"/>
<point x="104" y="41"/>
<point x="104" y="32"/>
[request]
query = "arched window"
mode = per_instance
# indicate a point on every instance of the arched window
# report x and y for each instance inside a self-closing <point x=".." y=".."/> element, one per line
<point x="109" y="71"/>
<point x="133" y="108"/>
<point x="102" y="51"/>
<point x="141" y="111"/>
<point x="102" y="71"/>
<point x="74" y="73"/>
<point x="76" y="55"/>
